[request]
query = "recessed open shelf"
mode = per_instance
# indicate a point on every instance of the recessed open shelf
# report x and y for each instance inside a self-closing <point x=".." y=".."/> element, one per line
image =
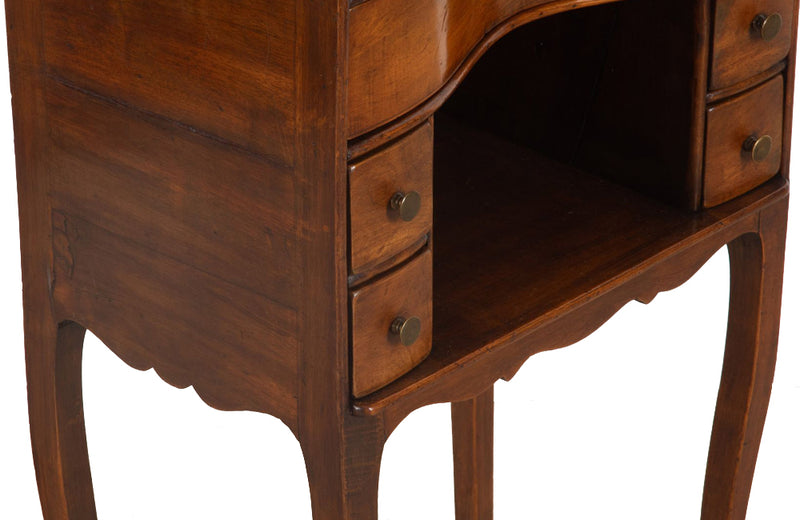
<point x="521" y="239"/>
<point x="519" y="235"/>
<point x="551" y="207"/>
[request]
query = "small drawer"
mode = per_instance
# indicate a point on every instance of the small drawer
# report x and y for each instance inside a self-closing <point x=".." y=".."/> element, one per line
<point x="743" y="142"/>
<point x="391" y="201"/>
<point x="392" y="325"/>
<point x="750" y="36"/>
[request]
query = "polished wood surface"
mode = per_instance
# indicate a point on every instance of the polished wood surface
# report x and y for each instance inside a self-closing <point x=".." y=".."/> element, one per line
<point x="756" y="261"/>
<point x="206" y="186"/>
<point x="58" y="436"/>
<point x="325" y="436"/>
<point x="113" y="228"/>
<point x="153" y="140"/>
<point x="731" y="170"/>
<point x="400" y="53"/>
<point x="176" y="59"/>
<point x="378" y="234"/>
<point x="473" y="456"/>
<point x="749" y="83"/>
<point x="738" y="50"/>
<point x="594" y="256"/>
<point x="595" y="105"/>
<point x="379" y="357"/>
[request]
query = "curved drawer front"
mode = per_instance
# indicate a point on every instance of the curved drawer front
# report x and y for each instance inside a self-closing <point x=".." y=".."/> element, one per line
<point x="732" y="166"/>
<point x="384" y="230"/>
<point x="402" y="51"/>
<point x="381" y="350"/>
<point x="750" y="36"/>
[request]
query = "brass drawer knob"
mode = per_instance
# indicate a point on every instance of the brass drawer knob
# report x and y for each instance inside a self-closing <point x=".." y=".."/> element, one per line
<point x="758" y="147"/>
<point x="406" y="204"/>
<point x="768" y="26"/>
<point x="407" y="329"/>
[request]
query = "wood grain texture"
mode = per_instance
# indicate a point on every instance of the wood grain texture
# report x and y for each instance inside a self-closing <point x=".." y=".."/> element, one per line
<point x="623" y="92"/>
<point x="378" y="356"/>
<point x="749" y="83"/>
<point x="222" y="69"/>
<point x="151" y="238"/>
<point x="401" y="53"/>
<point x="329" y="442"/>
<point x="473" y="456"/>
<point x="193" y="199"/>
<point x="738" y="51"/>
<point x="730" y="170"/>
<point x="355" y="447"/>
<point x="54" y="386"/>
<point x="52" y="354"/>
<point x="184" y="190"/>
<point x="378" y="236"/>
<point x="194" y="329"/>
<point x="74" y="453"/>
<point x="756" y="263"/>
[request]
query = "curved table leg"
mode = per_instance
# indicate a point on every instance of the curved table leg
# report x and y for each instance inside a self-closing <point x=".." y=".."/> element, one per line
<point x="756" y="279"/>
<point x="473" y="457"/>
<point x="55" y="407"/>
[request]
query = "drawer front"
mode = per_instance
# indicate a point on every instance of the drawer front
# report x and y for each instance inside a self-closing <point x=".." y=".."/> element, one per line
<point x="391" y="325"/>
<point x="743" y="142"/>
<point x="391" y="201"/>
<point x="750" y="36"/>
<point x="401" y="52"/>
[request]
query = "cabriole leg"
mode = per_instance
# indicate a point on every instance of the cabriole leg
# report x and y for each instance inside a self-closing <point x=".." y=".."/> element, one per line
<point x="58" y="436"/>
<point x="756" y="279"/>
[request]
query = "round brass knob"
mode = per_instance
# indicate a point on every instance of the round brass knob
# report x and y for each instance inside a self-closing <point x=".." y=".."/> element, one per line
<point x="406" y="204"/>
<point x="768" y="26"/>
<point x="408" y="329"/>
<point x="758" y="147"/>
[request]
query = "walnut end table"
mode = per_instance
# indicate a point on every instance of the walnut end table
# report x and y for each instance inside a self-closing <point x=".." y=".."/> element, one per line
<point x="336" y="212"/>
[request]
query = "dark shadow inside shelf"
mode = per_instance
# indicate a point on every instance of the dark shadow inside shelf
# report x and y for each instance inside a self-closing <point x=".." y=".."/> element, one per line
<point x="552" y="168"/>
<point x="518" y="235"/>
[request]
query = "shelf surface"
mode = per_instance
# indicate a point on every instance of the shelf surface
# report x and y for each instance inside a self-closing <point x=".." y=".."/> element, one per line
<point x="520" y="239"/>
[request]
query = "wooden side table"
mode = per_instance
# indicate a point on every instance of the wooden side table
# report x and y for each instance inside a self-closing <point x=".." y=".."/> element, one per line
<point x="246" y="195"/>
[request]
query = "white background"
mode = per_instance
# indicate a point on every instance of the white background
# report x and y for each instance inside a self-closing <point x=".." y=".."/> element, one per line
<point x="615" y="427"/>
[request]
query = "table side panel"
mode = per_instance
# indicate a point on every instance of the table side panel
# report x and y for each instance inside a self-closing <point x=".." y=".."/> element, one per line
<point x="175" y="180"/>
<point x="235" y="347"/>
<point x="178" y="251"/>
<point x="229" y="213"/>
<point x="225" y="69"/>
